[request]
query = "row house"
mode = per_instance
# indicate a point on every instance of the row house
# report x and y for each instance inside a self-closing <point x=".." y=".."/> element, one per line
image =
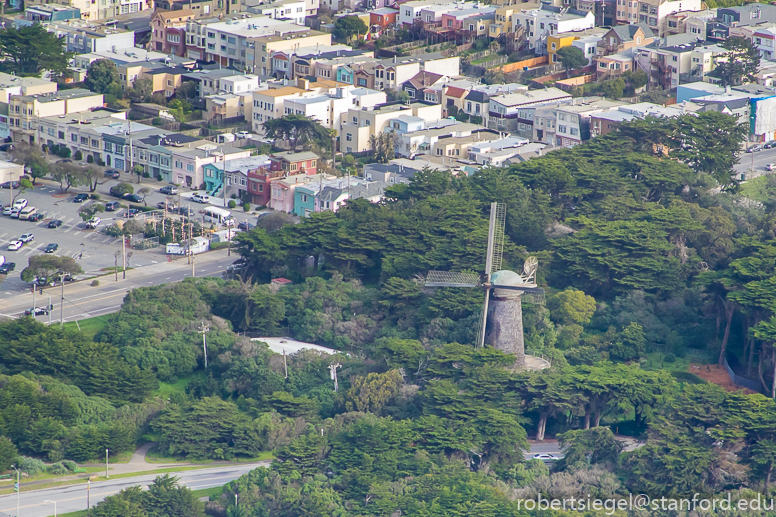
<point x="229" y="178"/>
<point x="288" y="10"/>
<point x="588" y="40"/>
<point x="82" y="36"/>
<point x="568" y="125"/>
<point x="653" y="13"/>
<point x="282" y="190"/>
<point x="624" y="37"/>
<point x="361" y="124"/>
<point x="746" y="15"/>
<point x="168" y="31"/>
<point x="764" y="40"/>
<point x="287" y="38"/>
<point x="612" y="66"/>
<point x="548" y="20"/>
<point x="515" y="112"/>
<point x="203" y="8"/>
<point x="331" y="195"/>
<point x="669" y="66"/>
<point x="383" y="17"/>
<point x="689" y="22"/>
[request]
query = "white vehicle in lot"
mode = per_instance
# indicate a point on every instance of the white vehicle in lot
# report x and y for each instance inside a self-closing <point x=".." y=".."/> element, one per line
<point x="15" y="212"/>
<point x="15" y="245"/>
<point x="27" y="237"/>
<point x="7" y="210"/>
<point x="544" y="456"/>
<point x="94" y="222"/>
<point x="200" y="198"/>
<point x="20" y="203"/>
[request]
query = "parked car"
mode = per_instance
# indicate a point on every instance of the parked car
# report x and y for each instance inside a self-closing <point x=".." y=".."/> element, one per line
<point x="80" y="198"/>
<point x="37" y="216"/>
<point x="15" y="245"/>
<point x="545" y="457"/>
<point x="242" y="134"/>
<point x="131" y="212"/>
<point x="770" y="145"/>
<point x="169" y="190"/>
<point x="184" y="210"/>
<point x="755" y="149"/>
<point x="244" y="225"/>
<point x="20" y="203"/>
<point x="15" y="212"/>
<point x="56" y="223"/>
<point x="94" y="222"/>
<point x="200" y="198"/>
<point x="51" y="248"/>
<point x="36" y="311"/>
<point x="7" y="184"/>
<point x="112" y="173"/>
<point x="164" y="205"/>
<point x="7" y="210"/>
<point x="133" y="198"/>
<point x="7" y="267"/>
<point x="112" y="206"/>
<point x="115" y="191"/>
<point x="6" y="147"/>
<point x="27" y="237"/>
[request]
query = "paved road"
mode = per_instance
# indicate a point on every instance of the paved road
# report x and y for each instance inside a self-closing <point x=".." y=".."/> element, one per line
<point x="74" y="498"/>
<point x="756" y="161"/>
<point x="83" y="301"/>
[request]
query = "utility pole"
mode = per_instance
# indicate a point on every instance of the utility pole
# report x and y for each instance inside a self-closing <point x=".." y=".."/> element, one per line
<point x="106" y="464"/>
<point x="203" y="329"/>
<point x="50" y="308"/>
<point x="285" y="363"/>
<point x="88" y="488"/>
<point x="116" y="263"/>
<point x="333" y="369"/>
<point x="62" y="302"/>
<point x="124" y="255"/>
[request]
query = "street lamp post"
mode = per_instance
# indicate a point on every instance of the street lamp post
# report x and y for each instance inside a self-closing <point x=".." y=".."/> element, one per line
<point x="18" y="488"/>
<point x="55" y="505"/>
<point x="203" y="329"/>
<point x="106" y="464"/>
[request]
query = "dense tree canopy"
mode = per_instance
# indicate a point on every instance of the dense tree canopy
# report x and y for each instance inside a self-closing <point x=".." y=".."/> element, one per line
<point x="33" y="49"/>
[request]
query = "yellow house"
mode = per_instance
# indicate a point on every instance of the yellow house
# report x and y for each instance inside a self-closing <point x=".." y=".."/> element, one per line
<point x="557" y="42"/>
<point x="503" y="22"/>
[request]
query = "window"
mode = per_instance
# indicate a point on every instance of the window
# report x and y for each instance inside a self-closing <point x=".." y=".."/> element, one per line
<point x="173" y="38"/>
<point x="84" y="140"/>
<point x="211" y="35"/>
<point x="304" y="198"/>
<point x="189" y="167"/>
<point x="108" y="146"/>
<point x="349" y="137"/>
<point x="223" y="37"/>
<point x="95" y="143"/>
<point x="62" y="135"/>
<point x="119" y="149"/>
<point x="553" y="45"/>
<point x="51" y="131"/>
<point x="561" y="129"/>
<point x="164" y="161"/>
<point x="178" y="164"/>
<point x="231" y="40"/>
<point x="74" y="138"/>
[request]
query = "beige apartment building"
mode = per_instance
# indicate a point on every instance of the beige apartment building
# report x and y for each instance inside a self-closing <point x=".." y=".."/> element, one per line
<point x="261" y="49"/>
<point x="361" y="124"/>
<point x="24" y="111"/>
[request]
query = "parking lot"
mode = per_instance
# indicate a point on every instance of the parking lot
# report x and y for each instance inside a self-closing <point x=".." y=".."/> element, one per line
<point x="92" y="249"/>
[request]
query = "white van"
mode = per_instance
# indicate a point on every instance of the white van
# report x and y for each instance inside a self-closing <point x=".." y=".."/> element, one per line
<point x="213" y="214"/>
<point x="26" y="212"/>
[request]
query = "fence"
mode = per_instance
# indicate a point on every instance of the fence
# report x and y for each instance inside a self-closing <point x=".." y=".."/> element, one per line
<point x="146" y="244"/>
<point x="741" y="381"/>
<point x="529" y="63"/>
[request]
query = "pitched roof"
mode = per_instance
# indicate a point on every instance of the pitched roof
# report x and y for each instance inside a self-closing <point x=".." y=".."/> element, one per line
<point x="423" y="79"/>
<point x="627" y="32"/>
<point x="476" y="96"/>
<point x="453" y="91"/>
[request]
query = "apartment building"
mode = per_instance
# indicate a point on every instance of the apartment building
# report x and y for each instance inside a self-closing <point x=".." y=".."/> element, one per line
<point x="624" y="37"/>
<point x="740" y="16"/>
<point x="548" y="20"/>
<point x="13" y="85"/>
<point x="203" y="8"/>
<point x="653" y="13"/>
<point x="24" y="111"/>
<point x="689" y="22"/>
<point x="363" y="123"/>
<point x="269" y="104"/>
<point x="79" y="131"/>
<point x="329" y="108"/>
<point x="668" y="65"/>
<point x="168" y="31"/>
<point x="514" y="112"/>
<point x="291" y="37"/>
<point x="568" y="125"/>
<point x="50" y="13"/>
<point x="227" y="178"/>
<point x="587" y="42"/>
<point x="82" y="36"/>
<point x="288" y="10"/>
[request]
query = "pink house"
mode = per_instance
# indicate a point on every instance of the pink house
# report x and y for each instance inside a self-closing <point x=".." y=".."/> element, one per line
<point x="282" y="195"/>
<point x="455" y="19"/>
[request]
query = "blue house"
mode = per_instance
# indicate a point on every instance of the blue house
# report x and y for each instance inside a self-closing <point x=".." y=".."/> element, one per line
<point x="345" y="74"/>
<point x="304" y="200"/>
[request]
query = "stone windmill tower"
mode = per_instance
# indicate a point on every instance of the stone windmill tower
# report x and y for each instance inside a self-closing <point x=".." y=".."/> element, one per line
<point x="501" y="325"/>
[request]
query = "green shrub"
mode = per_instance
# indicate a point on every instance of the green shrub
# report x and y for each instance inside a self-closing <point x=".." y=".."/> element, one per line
<point x="57" y="469"/>
<point x="78" y="155"/>
<point x="232" y="204"/>
<point x="157" y="121"/>
<point x="670" y="358"/>
<point x="89" y="158"/>
<point x="71" y="465"/>
<point x="247" y="207"/>
<point x="95" y="196"/>
<point x="31" y="466"/>
<point x="95" y="283"/>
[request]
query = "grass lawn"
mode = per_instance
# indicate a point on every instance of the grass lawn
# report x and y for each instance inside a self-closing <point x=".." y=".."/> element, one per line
<point x="7" y="484"/>
<point x="656" y="361"/>
<point x="756" y="189"/>
<point x="489" y="57"/>
<point x="90" y="326"/>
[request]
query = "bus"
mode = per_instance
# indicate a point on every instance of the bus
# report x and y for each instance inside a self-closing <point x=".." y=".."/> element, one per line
<point x="220" y="216"/>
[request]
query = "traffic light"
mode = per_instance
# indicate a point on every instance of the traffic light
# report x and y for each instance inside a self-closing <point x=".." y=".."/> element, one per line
<point x="16" y="487"/>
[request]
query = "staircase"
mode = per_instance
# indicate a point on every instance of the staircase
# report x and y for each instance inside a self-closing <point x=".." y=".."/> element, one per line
<point x="216" y="192"/>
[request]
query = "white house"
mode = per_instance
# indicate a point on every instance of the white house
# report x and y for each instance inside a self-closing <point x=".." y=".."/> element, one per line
<point x="549" y="20"/>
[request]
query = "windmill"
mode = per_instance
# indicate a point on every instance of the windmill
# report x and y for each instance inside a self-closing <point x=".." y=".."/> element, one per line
<point x="501" y="324"/>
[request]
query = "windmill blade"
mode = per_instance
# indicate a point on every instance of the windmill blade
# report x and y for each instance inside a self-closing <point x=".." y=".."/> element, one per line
<point x="483" y="321"/>
<point x="525" y="288"/>
<point x="498" y="235"/>
<point x="452" y="279"/>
